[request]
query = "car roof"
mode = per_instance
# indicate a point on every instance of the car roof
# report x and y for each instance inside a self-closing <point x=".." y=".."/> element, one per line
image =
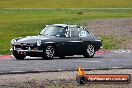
<point x="63" y="25"/>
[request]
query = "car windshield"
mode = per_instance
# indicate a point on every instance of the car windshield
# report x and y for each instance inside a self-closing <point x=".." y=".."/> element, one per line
<point x="53" y="31"/>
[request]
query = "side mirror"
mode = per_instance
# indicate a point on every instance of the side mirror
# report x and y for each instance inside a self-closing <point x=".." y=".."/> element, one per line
<point x="39" y="34"/>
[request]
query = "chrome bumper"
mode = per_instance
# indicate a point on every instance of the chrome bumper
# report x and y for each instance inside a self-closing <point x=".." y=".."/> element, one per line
<point x="27" y="50"/>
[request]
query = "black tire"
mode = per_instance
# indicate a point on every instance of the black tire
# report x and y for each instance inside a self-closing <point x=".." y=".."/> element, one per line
<point x="81" y="80"/>
<point x="18" y="56"/>
<point x="61" y="57"/>
<point x="48" y="52"/>
<point x="90" y="51"/>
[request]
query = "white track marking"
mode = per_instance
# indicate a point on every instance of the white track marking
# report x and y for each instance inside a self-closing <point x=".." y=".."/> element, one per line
<point x="95" y="61"/>
<point x="122" y="51"/>
<point x="117" y="67"/>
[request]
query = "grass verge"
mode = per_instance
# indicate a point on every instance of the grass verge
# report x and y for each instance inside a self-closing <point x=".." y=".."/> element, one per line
<point x="26" y="22"/>
<point x="65" y="3"/>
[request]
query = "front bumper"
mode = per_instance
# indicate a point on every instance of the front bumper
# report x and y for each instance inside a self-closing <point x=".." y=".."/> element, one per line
<point x="20" y="50"/>
<point x="26" y="48"/>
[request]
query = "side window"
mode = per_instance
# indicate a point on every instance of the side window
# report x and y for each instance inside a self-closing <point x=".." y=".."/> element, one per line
<point x="83" y="33"/>
<point x="74" y="32"/>
<point x="60" y="31"/>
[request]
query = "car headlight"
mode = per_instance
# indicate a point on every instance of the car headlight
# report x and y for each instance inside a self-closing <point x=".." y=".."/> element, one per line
<point x="13" y="41"/>
<point x="39" y="43"/>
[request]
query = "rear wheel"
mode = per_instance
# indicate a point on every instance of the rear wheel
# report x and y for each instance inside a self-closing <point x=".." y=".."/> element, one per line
<point x="48" y="52"/>
<point x="18" y="56"/>
<point x="90" y="51"/>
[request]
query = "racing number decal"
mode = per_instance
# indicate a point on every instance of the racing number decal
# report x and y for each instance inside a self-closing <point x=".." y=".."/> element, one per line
<point x="82" y="33"/>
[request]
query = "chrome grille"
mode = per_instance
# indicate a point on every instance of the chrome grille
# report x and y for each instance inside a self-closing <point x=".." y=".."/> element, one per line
<point x="25" y="46"/>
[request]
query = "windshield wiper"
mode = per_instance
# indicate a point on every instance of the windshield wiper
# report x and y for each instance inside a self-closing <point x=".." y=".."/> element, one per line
<point x="55" y="35"/>
<point x="52" y="35"/>
<point x="43" y="34"/>
<point x="48" y="35"/>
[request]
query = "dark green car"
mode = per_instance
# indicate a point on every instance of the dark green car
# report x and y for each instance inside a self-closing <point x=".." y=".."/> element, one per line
<point x="57" y="40"/>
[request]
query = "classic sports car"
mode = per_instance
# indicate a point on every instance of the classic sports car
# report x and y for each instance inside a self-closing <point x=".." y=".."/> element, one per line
<point x="57" y="40"/>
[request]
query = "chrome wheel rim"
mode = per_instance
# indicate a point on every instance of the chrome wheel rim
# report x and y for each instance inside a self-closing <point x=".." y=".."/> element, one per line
<point x="50" y="51"/>
<point x="90" y="50"/>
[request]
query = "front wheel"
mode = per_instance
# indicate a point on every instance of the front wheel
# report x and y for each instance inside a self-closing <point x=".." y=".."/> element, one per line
<point x="48" y="52"/>
<point x="18" y="56"/>
<point x="90" y="51"/>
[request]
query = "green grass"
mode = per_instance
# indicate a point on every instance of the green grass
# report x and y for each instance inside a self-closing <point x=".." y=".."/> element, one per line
<point x="20" y="23"/>
<point x="109" y="42"/>
<point x="65" y="3"/>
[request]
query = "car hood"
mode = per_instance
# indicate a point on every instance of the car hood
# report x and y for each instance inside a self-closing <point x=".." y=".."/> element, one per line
<point x="31" y="39"/>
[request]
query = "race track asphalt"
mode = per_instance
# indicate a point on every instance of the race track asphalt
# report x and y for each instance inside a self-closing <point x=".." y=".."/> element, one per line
<point x="113" y="60"/>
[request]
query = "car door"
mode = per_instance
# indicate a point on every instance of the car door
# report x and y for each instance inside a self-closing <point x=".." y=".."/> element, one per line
<point x="74" y="42"/>
<point x="85" y="37"/>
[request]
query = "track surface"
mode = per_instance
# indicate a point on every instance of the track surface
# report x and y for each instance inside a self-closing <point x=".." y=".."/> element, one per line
<point x="115" y="59"/>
